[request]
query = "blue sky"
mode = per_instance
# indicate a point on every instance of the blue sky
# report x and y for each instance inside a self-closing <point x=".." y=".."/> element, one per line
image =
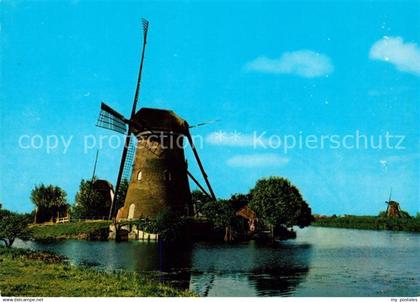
<point x="274" y="67"/>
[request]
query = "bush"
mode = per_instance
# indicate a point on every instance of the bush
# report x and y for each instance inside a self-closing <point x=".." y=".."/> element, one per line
<point x="167" y="224"/>
<point x="219" y="213"/>
<point x="199" y="199"/>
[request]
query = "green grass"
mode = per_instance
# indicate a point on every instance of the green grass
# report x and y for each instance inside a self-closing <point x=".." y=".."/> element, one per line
<point x="71" y="230"/>
<point x="371" y="223"/>
<point x="28" y="273"/>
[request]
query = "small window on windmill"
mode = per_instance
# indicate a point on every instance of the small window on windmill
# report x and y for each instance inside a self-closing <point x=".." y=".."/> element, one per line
<point x="139" y="176"/>
<point x="167" y="175"/>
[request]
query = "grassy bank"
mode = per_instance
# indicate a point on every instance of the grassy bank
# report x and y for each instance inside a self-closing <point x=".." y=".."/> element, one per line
<point x="371" y="223"/>
<point x="71" y="230"/>
<point x="28" y="273"/>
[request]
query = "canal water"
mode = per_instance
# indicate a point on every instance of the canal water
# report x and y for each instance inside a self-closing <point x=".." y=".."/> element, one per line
<point x="320" y="262"/>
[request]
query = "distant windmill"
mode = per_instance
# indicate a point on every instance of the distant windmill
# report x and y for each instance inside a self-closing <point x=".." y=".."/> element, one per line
<point x="393" y="208"/>
<point x="159" y="178"/>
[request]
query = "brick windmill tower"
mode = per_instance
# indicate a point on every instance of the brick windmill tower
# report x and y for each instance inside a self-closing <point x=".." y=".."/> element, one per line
<point x="159" y="178"/>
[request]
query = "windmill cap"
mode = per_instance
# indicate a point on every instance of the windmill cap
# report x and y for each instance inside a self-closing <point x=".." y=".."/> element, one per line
<point x="159" y="120"/>
<point x="103" y="184"/>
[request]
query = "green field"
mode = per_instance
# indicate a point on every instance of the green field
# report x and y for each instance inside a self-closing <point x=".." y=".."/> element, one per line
<point x="71" y="230"/>
<point x="28" y="273"/>
<point x="370" y="223"/>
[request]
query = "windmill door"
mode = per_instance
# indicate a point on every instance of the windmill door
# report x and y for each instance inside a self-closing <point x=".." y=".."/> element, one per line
<point x="131" y="211"/>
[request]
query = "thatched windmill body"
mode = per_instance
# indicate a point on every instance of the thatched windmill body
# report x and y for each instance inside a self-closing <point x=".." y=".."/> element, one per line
<point x="159" y="178"/>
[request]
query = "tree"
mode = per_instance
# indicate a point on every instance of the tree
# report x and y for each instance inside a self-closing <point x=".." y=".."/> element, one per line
<point x="49" y="200"/>
<point x="278" y="203"/>
<point x="239" y="200"/>
<point x="220" y="214"/>
<point x="199" y="199"/>
<point x="12" y="226"/>
<point x="90" y="203"/>
<point x="48" y="197"/>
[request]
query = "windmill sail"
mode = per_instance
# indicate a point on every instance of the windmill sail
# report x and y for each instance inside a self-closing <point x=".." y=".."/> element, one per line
<point x="112" y="120"/>
<point x="128" y="165"/>
<point x="133" y="112"/>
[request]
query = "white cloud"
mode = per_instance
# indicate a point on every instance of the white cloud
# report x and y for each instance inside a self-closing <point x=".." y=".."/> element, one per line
<point x="257" y="160"/>
<point x="234" y="139"/>
<point x="383" y="162"/>
<point x="305" y="63"/>
<point x="405" y="56"/>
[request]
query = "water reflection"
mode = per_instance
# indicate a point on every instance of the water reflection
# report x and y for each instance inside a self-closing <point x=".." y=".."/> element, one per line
<point x="282" y="271"/>
<point x="249" y="268"/>
<point x="171" y="263"/>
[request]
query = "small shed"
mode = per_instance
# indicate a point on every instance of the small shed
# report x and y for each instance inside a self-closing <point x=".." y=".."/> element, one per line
<point x="249" y="215"/>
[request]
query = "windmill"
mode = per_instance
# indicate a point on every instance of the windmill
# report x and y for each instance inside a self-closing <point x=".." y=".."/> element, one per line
<point x="159" y="178"/>
<point x="393" y="208"/>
